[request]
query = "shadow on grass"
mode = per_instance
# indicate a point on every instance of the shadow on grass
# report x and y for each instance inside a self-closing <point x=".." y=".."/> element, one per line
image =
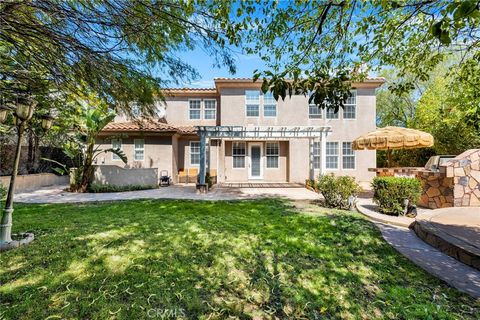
<point x="242" y="259"/>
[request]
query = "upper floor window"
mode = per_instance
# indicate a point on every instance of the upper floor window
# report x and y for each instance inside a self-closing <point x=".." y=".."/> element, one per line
<point x="195" y="109"/>
<point x="269" y="105"/>
<point x="316" y="155"/>
<point x="252" y="98"/>
<point x="348" y="156"/>
<point x="194" y="153"/>
<point x="331" y="154"/>
<point x="210" y="112"/>
<point x="331" y="114"/>
<point x="116" y="144"/>
<point x="273" y="152"/>
<point x="314" y="111"/>
<point x="350" y="107"/>
<point x="238" y="153"/>
<point x="139" y="149"/>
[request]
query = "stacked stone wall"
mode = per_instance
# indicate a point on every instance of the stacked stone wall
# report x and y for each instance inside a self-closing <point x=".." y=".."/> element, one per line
<point x="438" y="190"/>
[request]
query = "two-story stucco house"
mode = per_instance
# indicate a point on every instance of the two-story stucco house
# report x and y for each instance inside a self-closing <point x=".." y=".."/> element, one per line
<point x="248" y="136"/>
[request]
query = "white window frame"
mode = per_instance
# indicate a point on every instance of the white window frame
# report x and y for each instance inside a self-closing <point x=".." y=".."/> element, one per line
<point x="272" y="155"/>
<point x="353" y="155"/>
<point x="317" y="155"/>
<point x="191" y="153"/>
<point x="239" y="155"/>
<point x="247" y="103"/>
<point x="326" y="114"/>
<point x="114" y="156"/>
<point x="190" y="109"/>
<point x="274" y="104"/>
<point x="354" y="105"/>
<point x="315" y="116"/>
<point x="135" y="149"/>
<point x="337" y="155"/>
<point x="205" y="109"/>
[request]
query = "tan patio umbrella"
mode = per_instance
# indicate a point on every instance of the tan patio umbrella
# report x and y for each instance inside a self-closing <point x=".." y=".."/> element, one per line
<point x="391" y="138"/>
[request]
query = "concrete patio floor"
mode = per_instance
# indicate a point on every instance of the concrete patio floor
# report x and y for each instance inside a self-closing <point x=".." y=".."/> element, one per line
<point x="58" y="195"/>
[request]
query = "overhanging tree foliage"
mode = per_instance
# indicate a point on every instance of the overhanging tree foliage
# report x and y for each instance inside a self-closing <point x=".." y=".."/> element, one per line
<point x="321" y="45"/>
<point x="111" y="47"/>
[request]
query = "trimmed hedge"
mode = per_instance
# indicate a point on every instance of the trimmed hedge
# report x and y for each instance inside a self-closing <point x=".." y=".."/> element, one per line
<point x="100" y="188"/>
<point x="391" y="192"/>
<point x="337" y="190"/>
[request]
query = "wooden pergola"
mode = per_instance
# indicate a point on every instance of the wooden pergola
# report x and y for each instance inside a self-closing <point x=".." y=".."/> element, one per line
<point x="257" y="133"/>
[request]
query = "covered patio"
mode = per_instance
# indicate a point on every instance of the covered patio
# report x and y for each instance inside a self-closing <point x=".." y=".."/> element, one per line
<point x="254" y="134"/>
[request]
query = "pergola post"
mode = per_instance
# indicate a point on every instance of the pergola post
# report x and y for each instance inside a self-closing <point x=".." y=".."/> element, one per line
<point x="203" y="141"/>
<point x="311" y="174"/>
<point x="323" y="152"/>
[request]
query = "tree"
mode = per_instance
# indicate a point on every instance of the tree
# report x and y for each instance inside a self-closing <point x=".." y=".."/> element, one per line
<point x="440" y="106"/>
<point x="92" y="117"/>
<point x="322" y="45"/>
<point x="111" y="47"/>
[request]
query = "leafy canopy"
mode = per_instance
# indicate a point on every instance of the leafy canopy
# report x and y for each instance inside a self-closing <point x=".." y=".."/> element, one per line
<point x="124" y="50"/>
<point x="322" y="46"/>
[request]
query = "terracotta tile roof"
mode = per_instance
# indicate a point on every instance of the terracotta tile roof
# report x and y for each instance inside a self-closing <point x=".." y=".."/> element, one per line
<point x="186" y="130"/>
<point x="147" y="126"/>
<point x="199" y="90"/>
<point x="247" y="79"/>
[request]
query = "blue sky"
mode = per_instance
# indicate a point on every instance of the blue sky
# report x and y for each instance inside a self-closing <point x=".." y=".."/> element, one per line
<point x="197" y="58"/>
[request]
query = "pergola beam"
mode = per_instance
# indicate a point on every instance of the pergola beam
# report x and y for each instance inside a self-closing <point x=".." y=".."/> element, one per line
<point x="238" y="132"/>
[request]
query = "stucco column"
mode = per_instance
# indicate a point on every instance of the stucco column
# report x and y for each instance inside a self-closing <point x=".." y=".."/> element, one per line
<point x="323" y="153"/>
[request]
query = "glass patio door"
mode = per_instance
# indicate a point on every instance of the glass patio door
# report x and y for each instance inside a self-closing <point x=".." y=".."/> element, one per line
<point x="255" y="171"/>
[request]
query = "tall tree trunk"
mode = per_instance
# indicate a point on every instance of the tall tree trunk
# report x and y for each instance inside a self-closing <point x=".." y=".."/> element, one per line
<point x="87" y="169"/>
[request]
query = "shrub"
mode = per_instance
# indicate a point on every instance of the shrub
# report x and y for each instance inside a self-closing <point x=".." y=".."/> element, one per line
<point x="391" y="192"/>
<point x="310" y="183"/>
<point x="3" y="191"/>
<point x="337" y="190"/>
<point x="99" y="188"/>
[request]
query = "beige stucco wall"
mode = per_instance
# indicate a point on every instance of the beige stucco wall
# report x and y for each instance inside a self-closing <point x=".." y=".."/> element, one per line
<point x="300" y="160"/>
<point x="178" y="111"/>
<point x="294" y="112"/>
<point x="158" y="152"/>
<point x="279" y="174"/>
<point x="174" y="154"/>
<point x="35" y="181"/>
<point x="118" y="176"/>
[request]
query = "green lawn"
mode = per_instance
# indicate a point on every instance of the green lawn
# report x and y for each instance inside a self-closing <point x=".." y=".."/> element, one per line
<point x="209" y="260"/>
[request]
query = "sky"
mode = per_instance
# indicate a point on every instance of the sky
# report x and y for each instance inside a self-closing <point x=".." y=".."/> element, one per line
<point x="197" y="58"/>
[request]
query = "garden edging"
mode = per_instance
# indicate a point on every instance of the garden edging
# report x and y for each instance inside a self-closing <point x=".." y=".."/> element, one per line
<point x="379" y="217"/>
